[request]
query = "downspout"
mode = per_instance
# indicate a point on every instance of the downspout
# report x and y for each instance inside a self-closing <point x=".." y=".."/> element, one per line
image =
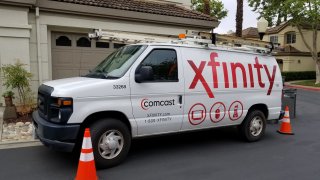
<point x="38" y="46"/>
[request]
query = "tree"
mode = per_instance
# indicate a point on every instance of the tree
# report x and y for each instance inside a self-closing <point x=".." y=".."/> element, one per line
<point x="306" y="13"/>
<point x="303" y="14"/>
<point x="215" y="8"/>
<point x="239" y="18"/>
<point x="272" y="10"/>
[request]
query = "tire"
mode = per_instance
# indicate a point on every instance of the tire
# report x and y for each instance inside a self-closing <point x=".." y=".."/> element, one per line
<point x="117" y="134"/>
<point x="253" y="127"/>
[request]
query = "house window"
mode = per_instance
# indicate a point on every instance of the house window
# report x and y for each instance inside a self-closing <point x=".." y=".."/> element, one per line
<point x="117" y="45"/>
<point x="290" y="38"/>
<point x="164" y="65"/>
<point x="102" y="45"/>
<point x="63" y="41"/>
<point x="83" y="42"/>
<point x="274" y="39"/>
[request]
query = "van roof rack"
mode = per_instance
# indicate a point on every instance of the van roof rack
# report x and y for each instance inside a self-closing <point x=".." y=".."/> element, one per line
<point x="191" y="37"/>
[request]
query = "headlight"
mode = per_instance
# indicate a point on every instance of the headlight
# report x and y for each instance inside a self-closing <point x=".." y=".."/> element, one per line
<point x="61" y="110"/>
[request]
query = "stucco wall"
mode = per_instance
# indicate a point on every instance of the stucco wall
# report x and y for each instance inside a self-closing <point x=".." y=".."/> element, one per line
<point x="299" y="43"/>
<point x="14" y="37"/>
<point x="297" y="63"/>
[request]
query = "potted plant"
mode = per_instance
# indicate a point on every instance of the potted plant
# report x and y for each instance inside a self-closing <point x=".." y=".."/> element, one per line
<point x="8" y="96"/>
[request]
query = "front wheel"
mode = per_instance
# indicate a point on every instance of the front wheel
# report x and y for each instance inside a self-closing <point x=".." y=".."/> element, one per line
<point x="253" y="127"/>
<point x="111" y="142"/>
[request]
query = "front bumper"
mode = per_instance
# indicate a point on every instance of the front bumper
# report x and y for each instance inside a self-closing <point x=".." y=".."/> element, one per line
<point x="56" y="136"/>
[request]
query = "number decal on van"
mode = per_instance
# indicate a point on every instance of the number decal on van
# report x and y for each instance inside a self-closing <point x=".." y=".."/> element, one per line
<point x="119" y="86"/>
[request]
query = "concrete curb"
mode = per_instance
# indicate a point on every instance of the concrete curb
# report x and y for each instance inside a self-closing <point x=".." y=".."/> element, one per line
<point x="288" y="84"/>
<point x="19" y="144"/>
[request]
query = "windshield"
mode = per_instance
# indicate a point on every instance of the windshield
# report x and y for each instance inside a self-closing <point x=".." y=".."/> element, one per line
<point x="117" y="63"/>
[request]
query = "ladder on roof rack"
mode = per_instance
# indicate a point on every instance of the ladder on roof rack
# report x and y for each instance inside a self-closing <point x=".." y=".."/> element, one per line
<point x="191" y="37"/>
<point x="127" y="38"/>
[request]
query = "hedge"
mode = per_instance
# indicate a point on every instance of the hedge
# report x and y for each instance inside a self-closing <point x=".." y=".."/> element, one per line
<point x="301" y="75"/>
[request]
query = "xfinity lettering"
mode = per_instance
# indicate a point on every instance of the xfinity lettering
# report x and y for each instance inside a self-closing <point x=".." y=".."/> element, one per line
<point x="146" y="103"/>
<point x="248" y="82"/>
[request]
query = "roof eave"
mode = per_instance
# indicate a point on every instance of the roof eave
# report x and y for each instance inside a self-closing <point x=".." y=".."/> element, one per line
<point x="26" y="3"/>
<point x="69" y="8"/>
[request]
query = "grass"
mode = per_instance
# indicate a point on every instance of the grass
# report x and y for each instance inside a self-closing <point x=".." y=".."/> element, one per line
<point x="307" y="83"/>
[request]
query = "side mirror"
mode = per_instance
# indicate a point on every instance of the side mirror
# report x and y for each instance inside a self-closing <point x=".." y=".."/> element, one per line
<point x="145" y="73"/>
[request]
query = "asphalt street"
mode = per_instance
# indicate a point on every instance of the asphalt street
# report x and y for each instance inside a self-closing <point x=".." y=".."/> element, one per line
<point x="206" y="155"/>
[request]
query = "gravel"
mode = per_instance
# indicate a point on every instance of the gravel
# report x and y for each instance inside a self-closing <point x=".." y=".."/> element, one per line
<point x="19" y="131"/>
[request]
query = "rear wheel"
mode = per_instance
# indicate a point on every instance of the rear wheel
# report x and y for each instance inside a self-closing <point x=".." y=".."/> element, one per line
<point x="111" y="142"/>
<point x="253" y="127"/>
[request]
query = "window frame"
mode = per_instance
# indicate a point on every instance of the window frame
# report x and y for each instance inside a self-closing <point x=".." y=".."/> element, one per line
<point x="58" y="37"/>
<point x="274" y="37"/>
<point x="291" y="33"/>
<point x="159" y="81"/>
<point x="83" y="37"/>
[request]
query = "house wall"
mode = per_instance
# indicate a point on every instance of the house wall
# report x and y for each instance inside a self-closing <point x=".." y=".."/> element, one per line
<point x="291" y="63"/>
<point x="14" y="37"/>
<point x="299" y="45"/>
<point x="297" y="63"/>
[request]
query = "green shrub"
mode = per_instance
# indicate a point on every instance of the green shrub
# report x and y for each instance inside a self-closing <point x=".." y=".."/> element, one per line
<point x="303" y="75"/>
<point x="18" y="78"/>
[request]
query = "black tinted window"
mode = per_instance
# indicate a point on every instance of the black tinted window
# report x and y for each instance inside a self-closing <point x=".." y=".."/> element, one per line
<point x="102" y="45"/>
<point x="63" y="41"/>
<point x="164" y="64"/>
<point x="83" y="42"/>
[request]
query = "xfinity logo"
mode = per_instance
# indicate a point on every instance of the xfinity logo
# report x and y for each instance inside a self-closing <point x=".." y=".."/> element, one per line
<point x="146" y="103"/>
<point x="251" y="74"/>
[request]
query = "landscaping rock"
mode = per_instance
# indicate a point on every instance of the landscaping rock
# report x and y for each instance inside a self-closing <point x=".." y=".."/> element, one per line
<point x="17" y="132"/>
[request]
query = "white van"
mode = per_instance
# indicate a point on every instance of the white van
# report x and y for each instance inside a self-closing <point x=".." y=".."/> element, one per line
<point x="159" y="88"/>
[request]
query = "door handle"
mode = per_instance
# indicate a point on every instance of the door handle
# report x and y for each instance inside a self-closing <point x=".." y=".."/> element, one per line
<point x="180" y="99"/>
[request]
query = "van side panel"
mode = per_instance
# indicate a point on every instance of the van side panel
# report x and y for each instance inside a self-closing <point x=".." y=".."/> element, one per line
<point x="222" y="85"/>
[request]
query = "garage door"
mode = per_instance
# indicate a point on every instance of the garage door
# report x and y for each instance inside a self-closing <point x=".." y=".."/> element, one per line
<point x="75" y="54"/>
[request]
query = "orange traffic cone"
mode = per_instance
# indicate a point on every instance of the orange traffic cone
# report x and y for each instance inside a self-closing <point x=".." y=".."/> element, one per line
<point x="285" y="127"/>
<point x="86" y="168"/>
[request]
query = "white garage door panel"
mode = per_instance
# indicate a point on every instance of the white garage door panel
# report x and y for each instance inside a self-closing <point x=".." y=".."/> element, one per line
<point x="70" y="60"/>
<point x="66" y="59"/>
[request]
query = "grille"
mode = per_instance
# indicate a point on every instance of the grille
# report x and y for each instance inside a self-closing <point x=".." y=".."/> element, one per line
<point x="44" y="100"/>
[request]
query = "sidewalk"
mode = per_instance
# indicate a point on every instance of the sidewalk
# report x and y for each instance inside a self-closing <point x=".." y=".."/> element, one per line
<point x="290" y="85"/>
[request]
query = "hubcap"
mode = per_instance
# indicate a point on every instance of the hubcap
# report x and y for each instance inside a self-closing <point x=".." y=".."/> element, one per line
<point x="256" y="126"/>
<point x="111" y="144"/>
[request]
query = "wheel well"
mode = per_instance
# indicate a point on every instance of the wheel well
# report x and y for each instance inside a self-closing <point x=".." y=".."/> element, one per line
<point x="106" y="114"/>
<point x="261" y="107"/>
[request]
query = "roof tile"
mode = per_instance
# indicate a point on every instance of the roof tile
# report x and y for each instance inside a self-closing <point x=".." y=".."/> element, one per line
<point x="145" y="7"/>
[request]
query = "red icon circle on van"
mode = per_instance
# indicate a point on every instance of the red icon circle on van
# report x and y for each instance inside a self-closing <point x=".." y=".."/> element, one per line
<point x="235" y="110"/>
<point x="217" y="112"/>
<point x="197" y="114"/>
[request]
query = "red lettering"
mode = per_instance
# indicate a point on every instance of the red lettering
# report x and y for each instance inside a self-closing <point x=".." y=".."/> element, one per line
<point x="258" y="67"/>
<point x="251" y="75"/>
<point x="198" y="77"/>
<point x="234" y="67"/>
<point x="271" y="78"/>
<point x="226" y="76"/>
<point x="214" y="66"/>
